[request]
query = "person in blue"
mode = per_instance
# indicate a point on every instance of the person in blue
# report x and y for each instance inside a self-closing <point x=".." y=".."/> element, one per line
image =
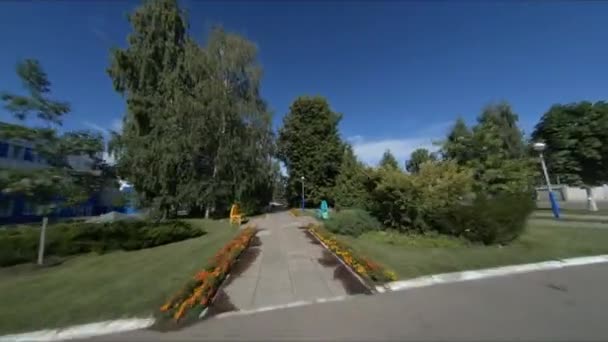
<point x="323" y="212"/>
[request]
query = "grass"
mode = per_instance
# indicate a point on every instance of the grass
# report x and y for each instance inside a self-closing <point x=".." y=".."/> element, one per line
<point x="93" y="287"/>
<point x="414" y="256"/>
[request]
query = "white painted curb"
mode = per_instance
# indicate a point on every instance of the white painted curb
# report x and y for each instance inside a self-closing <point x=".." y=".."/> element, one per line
<point x="279" y="307"/>
<point x="446" y="278"/>
<point x="81" y="331"/>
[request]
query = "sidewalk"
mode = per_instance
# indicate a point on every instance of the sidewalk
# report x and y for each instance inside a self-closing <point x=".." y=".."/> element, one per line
<point x="283" y="266"/>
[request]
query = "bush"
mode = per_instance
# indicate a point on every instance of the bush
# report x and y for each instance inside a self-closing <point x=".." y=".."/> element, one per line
<point x="500" y="219"/>
<point x="352" y="222"/>
<point x="63" y="239"/>
<point x="406" y="202"/>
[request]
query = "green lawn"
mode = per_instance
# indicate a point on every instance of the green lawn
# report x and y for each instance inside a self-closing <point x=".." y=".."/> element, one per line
<point x="417" y="256"/>
<point x="92" y="287"/>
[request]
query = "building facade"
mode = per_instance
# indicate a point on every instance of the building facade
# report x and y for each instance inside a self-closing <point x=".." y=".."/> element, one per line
<point x="16" y="154"/>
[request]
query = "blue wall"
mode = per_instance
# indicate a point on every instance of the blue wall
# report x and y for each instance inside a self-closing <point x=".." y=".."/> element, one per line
<point x="91" y="207"/>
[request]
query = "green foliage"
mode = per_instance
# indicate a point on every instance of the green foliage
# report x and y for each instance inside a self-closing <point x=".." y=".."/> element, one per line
<point x="418" y="157"/>
<point x="577" y="142"/>
<point x="500" y="219"/>
<point x="494" y="149"/>
<point x="431" y="239"/>
<point x="197" y="134"/>
<point x="64" y="239"/>
<point x="35" y="80"/>
<point x="388" y="161"/>
<point x="60" y="179"/>
<point x="309" y="145"/>
<point x="406" y="202"/>
<point x="350" y="190"/>
<point x="353" y="222"/>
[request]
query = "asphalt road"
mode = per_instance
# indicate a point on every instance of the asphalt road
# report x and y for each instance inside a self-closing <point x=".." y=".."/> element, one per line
<point x="566" y="304"/>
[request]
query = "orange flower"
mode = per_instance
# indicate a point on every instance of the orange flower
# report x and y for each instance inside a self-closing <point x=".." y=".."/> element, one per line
<point x="200" y="276"/>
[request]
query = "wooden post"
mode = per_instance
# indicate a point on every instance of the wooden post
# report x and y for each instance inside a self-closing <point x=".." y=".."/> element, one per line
<point x="45" y="220"/>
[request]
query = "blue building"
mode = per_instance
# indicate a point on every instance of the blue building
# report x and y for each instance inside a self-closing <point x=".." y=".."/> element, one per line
<point x="16" y="154"/>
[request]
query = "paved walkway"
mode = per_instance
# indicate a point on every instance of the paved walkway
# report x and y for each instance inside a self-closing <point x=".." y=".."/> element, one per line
<point x="284" y="265"/>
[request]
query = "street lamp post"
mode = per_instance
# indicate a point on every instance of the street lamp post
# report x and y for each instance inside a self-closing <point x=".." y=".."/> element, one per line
<point x="540" y="147"/>
<point x="302" y="178"/>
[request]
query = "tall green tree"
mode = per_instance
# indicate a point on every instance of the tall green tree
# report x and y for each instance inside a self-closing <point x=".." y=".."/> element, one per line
<point x="388" y="161"/>
<point x="456" y="144"/>
<point x="37" y="102"/>
<point x="243" y="139"/>
<point x="59" y="183"/>
<point x="494" y="149"/>
<point x="59" y="179"/>
<point x="310" y="146"/>
<point x="418" y="157"/>
<point x="350" y="190"/>
<point x="197" y="134"/>
<point x="577" y="142"/>
<point x="148" y="74"/>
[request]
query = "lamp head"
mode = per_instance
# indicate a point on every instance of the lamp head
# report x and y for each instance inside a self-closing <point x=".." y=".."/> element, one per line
<point x="539" y="146"/>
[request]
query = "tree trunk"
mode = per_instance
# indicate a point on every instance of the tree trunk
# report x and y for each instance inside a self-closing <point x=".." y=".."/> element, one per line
<point x="45" y="221"/>
<point x="591" y="205"/>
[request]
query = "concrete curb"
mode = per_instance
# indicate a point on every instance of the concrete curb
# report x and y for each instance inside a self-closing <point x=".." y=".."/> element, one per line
<point x="361" y="280"/>
<point x="82" y="331"/>
<point x="446" y="278"/>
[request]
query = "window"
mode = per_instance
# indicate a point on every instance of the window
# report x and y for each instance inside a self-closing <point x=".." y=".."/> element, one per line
<point x="28" y="154"/>
<point x="30" y="209"/>
<point x="16" y="152"/>
<point x="3" y="149"/>
<point x="6" y="208"/>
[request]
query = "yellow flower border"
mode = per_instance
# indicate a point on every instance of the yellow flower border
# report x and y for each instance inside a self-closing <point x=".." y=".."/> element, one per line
<point x="369" y="270"/>
<point x="295" y="212"/>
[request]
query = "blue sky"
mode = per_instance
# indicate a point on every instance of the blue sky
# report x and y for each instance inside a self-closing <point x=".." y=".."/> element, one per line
<point x="400" y="71"/>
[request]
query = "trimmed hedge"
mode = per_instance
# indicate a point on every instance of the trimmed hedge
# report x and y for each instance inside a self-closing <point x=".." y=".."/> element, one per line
<point x="499" y="219"/>
<point x="353" y="222"/>
<point x="20" y="245"/>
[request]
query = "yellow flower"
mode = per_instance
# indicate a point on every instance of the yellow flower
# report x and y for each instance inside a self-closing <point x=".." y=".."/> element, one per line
<point x="390" y="275"/>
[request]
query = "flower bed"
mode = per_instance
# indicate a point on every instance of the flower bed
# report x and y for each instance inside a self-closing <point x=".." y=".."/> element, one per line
<point x="198" y="292"/>
<point x="295" y="212"/>
<point x="369" y="270"/>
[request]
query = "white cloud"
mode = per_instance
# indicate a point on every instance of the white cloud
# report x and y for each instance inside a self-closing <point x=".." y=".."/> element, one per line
<point x="370" y="151"/>
<point x="96" y="127"/>
<point x="117" y="125"/>
<point x="108" y="158"/>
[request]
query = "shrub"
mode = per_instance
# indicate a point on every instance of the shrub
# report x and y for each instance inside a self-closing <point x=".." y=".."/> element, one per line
<point x="407" y="202"/>
<point x="352" y="222"/>
<point x="500" y="219"/>
<point x="63" y="239"/>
